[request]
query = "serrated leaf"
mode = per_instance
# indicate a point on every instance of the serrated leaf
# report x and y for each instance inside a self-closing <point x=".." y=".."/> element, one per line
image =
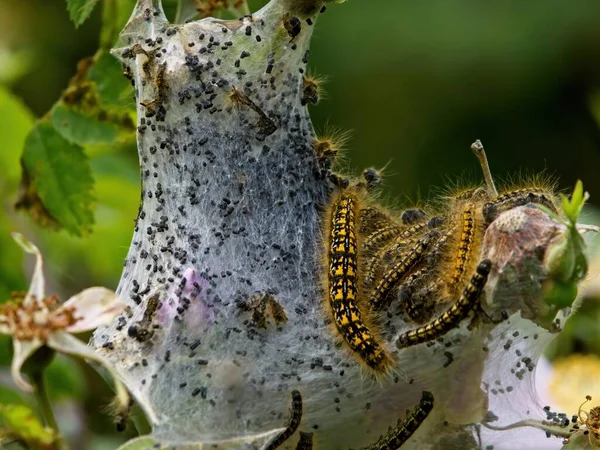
<point x="90" y="112"/>
<point x="115" y="15"/>
<point x="80" y="10"/>
<point x="57" y="173"/>
<point x="112" y="88"/>
<point x="20" y="423"/>
<point x="80" y="128"/>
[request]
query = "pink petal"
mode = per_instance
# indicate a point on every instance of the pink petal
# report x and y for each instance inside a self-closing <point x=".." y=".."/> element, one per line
<point x="93" y="307"/>
<point x="36" y="288"/>
<point x="22" y="351"/>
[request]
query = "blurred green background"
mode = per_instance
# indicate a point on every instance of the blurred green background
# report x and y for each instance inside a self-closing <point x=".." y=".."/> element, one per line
<point x="416" y="82"/>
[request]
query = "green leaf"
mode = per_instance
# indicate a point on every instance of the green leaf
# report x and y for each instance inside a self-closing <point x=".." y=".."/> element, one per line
<point x="17" y="120"/>
<point x="80" y="10"/>
<point x="112" y="88"/>
<point x="20" y="423"/>
<point x="57" y="181"/>
<point x="139" y="443"/>
<point x="115" y="14"/>
<point x="96" y="109"/>
<point x="566" y="206"/>
<point x="577" y="197"/>
<point x="572" y="208"/>
<point x="81" y="128"/>
<point x="565" y="260"/>
<point x="561" y="258"/>
<point x="560" y="294"/>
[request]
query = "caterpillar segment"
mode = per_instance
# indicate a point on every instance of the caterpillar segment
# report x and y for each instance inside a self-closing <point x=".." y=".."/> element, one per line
<point x="413" y="216"/>
<point x="343" y="284"/>
<point x="419" y="305"/>
<point x="434" y="256"/>
<point x="404" y="429"/>
<point x="513" y="199"/>
<point x="394" y="274"/>
<point x="395" y="249"/>
<point x="466" y="246"/>
<point x="380" y="237"/>
<point x="454" y="315"/>
<point x="418" y="293"/>
<point x="292" y="425"/>
<point x="372" y="219"/>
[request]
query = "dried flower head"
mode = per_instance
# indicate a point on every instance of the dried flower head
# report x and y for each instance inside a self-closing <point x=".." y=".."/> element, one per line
<point x="35" y="320"/>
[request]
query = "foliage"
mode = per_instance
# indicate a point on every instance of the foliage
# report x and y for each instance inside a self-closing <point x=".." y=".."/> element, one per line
<point x="566" y="262"/>
<point x="20" y="423"/>
<point x="80" y="10"/>
<point x="79" y="162"/>
<point x="57" y="177"/>
<point x="18" y="120"/>
<point x="140" y="443"/>
<point x="57" y="181"/>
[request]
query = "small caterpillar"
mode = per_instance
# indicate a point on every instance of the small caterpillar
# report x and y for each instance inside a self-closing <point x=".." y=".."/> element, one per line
<point x="465" y="245"/>
<point x="402" y="240"/>
<point x="379" y="237"/>
<point x="404" y="429"/>
<point x="452" y="317"/>
<point x="293" y="424"/>
<point x="395" y="274"/>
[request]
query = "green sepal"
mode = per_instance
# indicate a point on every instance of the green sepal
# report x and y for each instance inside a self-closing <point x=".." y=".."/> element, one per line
<point x="566" y="262"/>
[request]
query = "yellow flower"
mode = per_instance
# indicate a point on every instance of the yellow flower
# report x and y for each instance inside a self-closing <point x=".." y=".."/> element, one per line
<point x="574" y="378"/>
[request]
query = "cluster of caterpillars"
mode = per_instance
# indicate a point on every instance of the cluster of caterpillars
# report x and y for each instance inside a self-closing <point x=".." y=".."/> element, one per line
<point x="424" y="261"/>
<point x="394" y="439"/>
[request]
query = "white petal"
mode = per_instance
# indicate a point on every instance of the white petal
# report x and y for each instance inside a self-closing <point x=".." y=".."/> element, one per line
<point x="583" y="228"/>
<point x="66" y="343"/>
<point x="22" y="351"/>
<point x="94" y="307"/>
<point x="5" y="327"/>
<point x="36" y="288"/>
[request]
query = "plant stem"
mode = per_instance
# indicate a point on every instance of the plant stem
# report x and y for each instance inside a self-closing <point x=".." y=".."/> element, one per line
<point x="41" y="395"/>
